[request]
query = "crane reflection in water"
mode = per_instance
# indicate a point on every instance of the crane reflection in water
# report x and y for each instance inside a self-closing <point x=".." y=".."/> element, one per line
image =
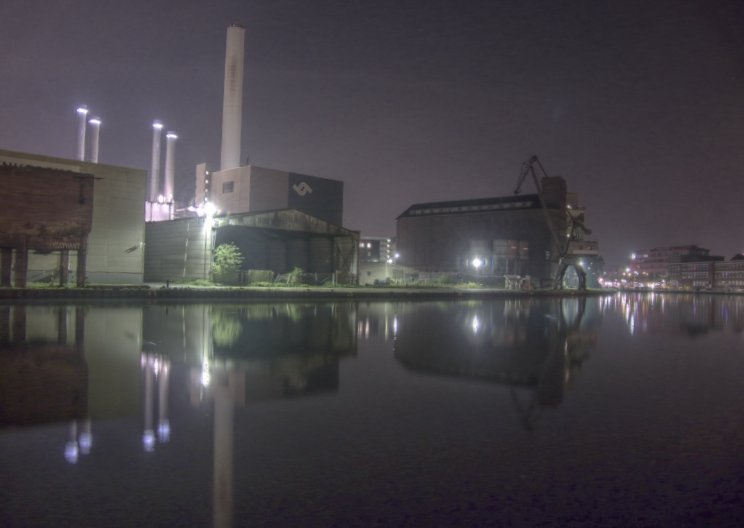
<point x="534" y="348"/>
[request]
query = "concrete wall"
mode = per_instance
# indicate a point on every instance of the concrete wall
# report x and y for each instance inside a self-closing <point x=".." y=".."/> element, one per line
<point x="237" y="201"/>
<point x="268" y="189"/>
<point x="374" y="272"/>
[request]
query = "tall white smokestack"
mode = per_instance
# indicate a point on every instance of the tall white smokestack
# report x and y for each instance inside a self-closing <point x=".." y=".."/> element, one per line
<point x="170" y="171"/>
<point x="95" y="123"/>
<point x="82" y="112"/>
<point x="232" y="101"/>
<point x="157" y="126"/>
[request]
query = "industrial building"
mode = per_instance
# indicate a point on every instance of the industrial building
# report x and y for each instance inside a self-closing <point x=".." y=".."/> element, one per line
<point x="80" y="218"/>
<point x="279" y="220"/>
<point x="507" y="236"/>
<point x="250" y="188"/>
<point x="271" y="242"/>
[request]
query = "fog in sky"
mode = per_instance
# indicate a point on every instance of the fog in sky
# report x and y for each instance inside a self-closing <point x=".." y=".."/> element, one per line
<point x="638" y="104"/>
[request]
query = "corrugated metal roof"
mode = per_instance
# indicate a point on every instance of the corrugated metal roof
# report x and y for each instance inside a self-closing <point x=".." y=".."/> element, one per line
<point x="477" y="205"/>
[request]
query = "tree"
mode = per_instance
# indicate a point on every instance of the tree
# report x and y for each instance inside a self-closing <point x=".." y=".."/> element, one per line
<point x="227" y="263"/>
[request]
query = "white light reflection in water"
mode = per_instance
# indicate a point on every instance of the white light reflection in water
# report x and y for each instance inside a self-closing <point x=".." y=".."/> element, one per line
<point x="148" y="440"/>
<point x="85" y="442"/>
<point x="71" y="452"/>
<point x="206" y="376"/>
<point x="156" y="370"/>
<point x="475" y="324"/>
<point x="77" y="445"/>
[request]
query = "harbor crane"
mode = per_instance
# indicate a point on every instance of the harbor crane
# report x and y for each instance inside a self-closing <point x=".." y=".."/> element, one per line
<point x="560" y="258"/>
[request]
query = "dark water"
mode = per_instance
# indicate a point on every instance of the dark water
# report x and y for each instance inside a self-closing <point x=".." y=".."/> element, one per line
<point x="619" y="411"/>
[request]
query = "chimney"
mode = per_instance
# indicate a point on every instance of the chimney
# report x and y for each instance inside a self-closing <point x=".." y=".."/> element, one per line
<point x="170" y="149"/>
<point x="157" y="126"/>
<point x="82" y="112"/>
<point x="232" y="101"/>
<point x="95" y="123"/>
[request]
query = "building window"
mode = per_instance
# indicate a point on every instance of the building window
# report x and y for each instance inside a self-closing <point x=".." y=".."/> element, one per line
<point x="227" y="187"/>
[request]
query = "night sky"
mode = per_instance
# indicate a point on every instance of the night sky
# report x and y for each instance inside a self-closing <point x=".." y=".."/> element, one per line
<point x="638" y="104"/>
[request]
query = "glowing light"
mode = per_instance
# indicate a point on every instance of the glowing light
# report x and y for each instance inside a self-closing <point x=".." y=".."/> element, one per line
<point x="171" y="135"/>
<point x="95" y="121"/>
<point x="148" y="440"/>
<point x="71" y="452"/>
<point x="475" y="324"/>
<point x="157" y="125"/>
<point x="397" y="255"/>
<point x="206" y="377"/>
<point x="164" y="431"/>
<point x="477" y="263"/>
<point x="161" y="198"/>
<point x="82" y="110"/>
<point x="86" y="442"/>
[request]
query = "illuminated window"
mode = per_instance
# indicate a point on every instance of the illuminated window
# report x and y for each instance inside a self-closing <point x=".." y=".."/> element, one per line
<point x="227" y="187"/>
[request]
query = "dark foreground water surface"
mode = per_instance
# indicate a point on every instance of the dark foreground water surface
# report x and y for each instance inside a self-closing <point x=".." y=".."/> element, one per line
<point x="626" y="410"/>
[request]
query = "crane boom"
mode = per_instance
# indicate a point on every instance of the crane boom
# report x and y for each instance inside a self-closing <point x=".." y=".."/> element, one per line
<point x="528" y="168"/>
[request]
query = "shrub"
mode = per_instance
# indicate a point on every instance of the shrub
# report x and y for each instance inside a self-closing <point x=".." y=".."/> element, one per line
<point x="227" y="263"/>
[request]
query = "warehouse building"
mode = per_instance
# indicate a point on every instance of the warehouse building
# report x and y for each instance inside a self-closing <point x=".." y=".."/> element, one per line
<point x="499" y="238"/>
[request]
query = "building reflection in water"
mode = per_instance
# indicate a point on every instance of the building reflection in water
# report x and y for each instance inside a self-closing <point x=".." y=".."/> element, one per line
<point x="535" y="347"/>
<point x="43" y="372"/>
<point x="245" y="354"/>
<point x="80" y="364"/>
<point x="155" y="370"/>
<point x="678" y="314"/>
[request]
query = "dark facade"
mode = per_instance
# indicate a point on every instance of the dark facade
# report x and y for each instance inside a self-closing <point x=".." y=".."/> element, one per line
<point x="319" y="197"/>
<point x="510" y="235"/>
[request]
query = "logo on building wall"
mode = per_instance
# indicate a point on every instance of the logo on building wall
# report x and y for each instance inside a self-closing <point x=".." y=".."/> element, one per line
<point x="302" y="188"/>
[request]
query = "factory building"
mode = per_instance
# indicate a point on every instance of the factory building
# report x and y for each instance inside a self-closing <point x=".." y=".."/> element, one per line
<point x="279" y="220"/>
<point x="500" y="237"/>
<point x="250" y="188"/>
<point x="271" y="242"/>
<point x="81" y="220"/>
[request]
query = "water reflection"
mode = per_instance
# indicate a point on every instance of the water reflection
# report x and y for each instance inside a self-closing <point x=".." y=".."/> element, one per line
<point x="690" y="315"/>
<point x="43" y="375"/>
<point x="184" y="386"/>
<point x="537" y="346"/>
